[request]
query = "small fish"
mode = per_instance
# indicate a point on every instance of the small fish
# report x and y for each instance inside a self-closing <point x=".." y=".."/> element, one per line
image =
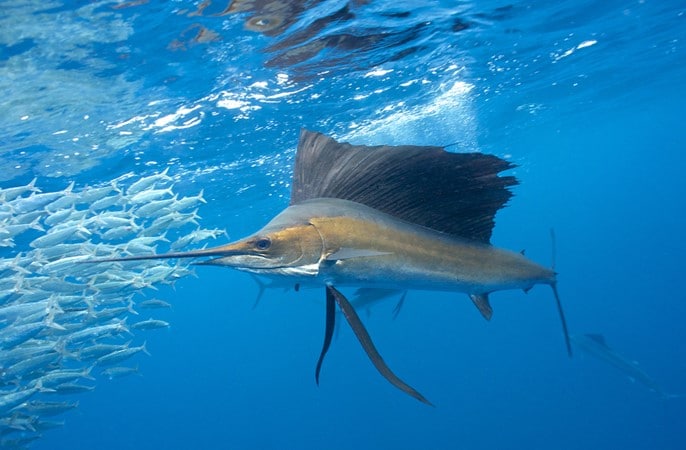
<point x="13" y="399"/>
<point x="159" y="274"/>
<point x="197" y="236"/>
<point x="23" y="352"/>
<point x="150" y="324"/>
<point x="110" y="329"/>
<point x="120" y="232"/>
<point x="105" y="202"/>
<point x="55" y="285"/>
<point x="72" y="388"/>
<point x="9" y="194"/>
<point x="60" y="265"/>
<point x="58" y="217"/>
<point x="158" y="226"/>
<point x="118" y="356"/>
<point x="27" y="217"/>
<point x="57" y="377"/>
<point x="15" y="230"/>
<point x="46" y="409"/>
<point x="18" y="370"/>
<point x="154" y="208"/>
<point x="111" y="220"/>
<point x="119" y="371"/>
<point x="95" y="194"/>
<point x="188" y="202"/>
<point x="68" y="200"/>
<point x="38" y="201"/>
<point x="43" y="425"/>
<point x="150" y="195"/>
<point x="15" y="335"/>
<point x="14" y="311"/>
<point x="95" y="351"/>
<point x="154" y="304"/>
<point x="64" y="250"/>
<point x="148" y="182"/>
<point x="59" y="236"/>
<point x="103" y="315"/>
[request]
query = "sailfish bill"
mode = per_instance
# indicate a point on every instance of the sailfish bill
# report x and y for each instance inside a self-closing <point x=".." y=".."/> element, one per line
<point x="390" y="218"/>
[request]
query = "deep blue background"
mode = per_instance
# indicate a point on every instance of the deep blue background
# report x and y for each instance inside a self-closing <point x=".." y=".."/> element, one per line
<point x="598" y="137"/>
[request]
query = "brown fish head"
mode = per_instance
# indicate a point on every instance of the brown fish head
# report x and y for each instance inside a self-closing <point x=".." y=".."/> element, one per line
<point x="287" y="245"/>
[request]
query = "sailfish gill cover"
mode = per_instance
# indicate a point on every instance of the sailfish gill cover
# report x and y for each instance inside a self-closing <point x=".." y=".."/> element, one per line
<point x="143" y="128"/>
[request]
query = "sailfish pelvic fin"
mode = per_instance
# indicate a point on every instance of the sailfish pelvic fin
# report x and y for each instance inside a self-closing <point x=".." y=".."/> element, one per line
<point x="328" y="331"/>
<point x="368" y="346"/>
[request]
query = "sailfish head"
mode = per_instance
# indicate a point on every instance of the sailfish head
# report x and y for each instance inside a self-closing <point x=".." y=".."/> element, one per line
<point x="288" y="245"/>
<point x="281" y="247"/>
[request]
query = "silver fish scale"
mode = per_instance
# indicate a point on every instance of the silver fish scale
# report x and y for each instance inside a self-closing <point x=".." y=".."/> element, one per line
<point x="58" y="315"/>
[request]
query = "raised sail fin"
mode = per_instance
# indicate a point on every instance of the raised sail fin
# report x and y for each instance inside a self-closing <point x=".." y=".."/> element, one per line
<point x="456" y="193"/>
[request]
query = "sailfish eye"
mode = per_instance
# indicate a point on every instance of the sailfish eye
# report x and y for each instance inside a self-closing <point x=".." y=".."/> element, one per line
<point x="263" y="243"/>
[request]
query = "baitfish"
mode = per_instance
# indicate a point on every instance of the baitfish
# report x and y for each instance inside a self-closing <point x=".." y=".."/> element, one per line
<point x="150" y="324"/>
<point x="118" y="356"/>
<point x="389" y="217"/>
<point x="119" y="371"/>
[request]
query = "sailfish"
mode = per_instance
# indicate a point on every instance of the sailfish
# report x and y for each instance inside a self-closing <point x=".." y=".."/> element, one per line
<point x="386" y="217"/>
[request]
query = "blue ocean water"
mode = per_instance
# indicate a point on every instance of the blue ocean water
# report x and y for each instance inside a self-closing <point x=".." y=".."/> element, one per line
<point x="586" y="97"/>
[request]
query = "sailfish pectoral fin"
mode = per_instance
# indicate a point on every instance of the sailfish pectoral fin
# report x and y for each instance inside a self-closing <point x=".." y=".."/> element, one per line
<point x="368" y="346"/>
<point x="328" y="331"/>
<point x="262" y="286"/>
<point x="399" y="305"/>
<point x="562" y="319"/>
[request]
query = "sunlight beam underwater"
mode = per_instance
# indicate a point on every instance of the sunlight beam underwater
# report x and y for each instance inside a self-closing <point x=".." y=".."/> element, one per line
<point x="388" y="217"/>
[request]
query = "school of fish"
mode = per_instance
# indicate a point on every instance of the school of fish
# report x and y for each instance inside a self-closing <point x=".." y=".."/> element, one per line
<point x="65" y="323"/>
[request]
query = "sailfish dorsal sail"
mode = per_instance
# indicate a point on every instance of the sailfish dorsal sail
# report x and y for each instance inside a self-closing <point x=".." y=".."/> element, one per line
<point x="455" y="193"/>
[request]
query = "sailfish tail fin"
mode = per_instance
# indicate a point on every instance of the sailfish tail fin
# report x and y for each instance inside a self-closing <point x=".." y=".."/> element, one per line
<point x="553" y="249"/>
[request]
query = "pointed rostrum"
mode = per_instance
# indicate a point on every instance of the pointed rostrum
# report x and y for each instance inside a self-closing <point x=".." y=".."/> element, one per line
<point x="456" y="193"/>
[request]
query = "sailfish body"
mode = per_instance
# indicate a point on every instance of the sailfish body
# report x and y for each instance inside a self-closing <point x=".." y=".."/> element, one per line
<point x="391" y="217"/>
<point x="341" y="242"/>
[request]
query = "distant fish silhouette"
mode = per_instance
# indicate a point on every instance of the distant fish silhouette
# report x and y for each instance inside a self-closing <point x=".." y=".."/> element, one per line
<point x="405" y="217"/>
<point x="594" y="344"/>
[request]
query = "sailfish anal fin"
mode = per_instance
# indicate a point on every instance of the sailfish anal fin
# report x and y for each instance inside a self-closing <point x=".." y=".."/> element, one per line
<point x="482" y="304"/>
<point x="367" y="344"/>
